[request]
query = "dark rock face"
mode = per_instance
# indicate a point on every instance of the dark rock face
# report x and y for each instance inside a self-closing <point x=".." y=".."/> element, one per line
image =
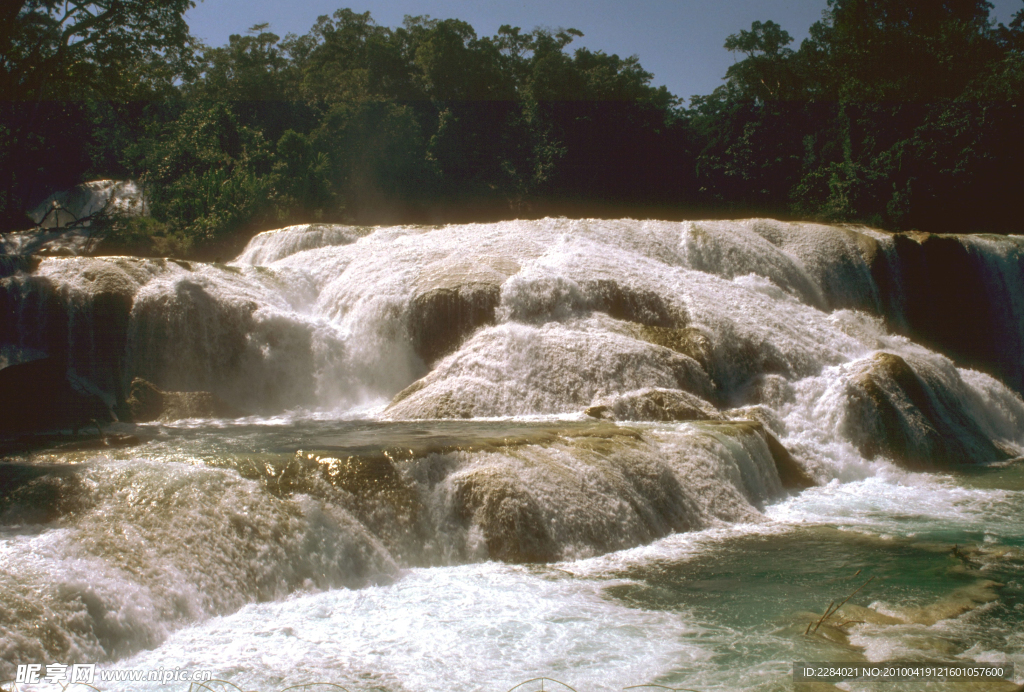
<point x="791" y="472"/>
<point x="632" y="304"/>
<point x="949" y="302"/>
<point x="83" y="321"/>
<point x="32" y="315"/>
<point x="12" y="264"/>
<point x="444" y="317"/>
<point x="894" y="413"/>
<point x="187" y="339"/>
<point x="654" y="404"/>
<point x="453" y="298"/>
<point x="38" y="395"/>
<point x="100" y="346"/>
<point x="147" y="403"/>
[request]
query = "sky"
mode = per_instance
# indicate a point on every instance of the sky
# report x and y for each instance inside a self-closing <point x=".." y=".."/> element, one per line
<point x="680" y="41"/>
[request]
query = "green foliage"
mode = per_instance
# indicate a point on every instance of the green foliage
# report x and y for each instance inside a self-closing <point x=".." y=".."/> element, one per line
<point x="899" y="50"/>
<point x="766" y="73"/>
<point x="82" y="49"/>
<point x="304" y="175"/>
<point x="67" y="71"/>
<point x="375" y="149"/>
<point x="208" y="176"/>
<point x="899" y="113"/>
<point x="135" y="235"/>
<point x="249" y="68"/>
<point x="363" y="117"/>
<point x="452" y="64"/>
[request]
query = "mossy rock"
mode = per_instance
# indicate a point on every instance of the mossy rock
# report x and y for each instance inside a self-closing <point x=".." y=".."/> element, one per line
<point x="792" y="474"/>
<point x="689" y="341"/>
<point x="370" y="477"/>
<point x="512" y="523"/>
<point x="633" y="304"/>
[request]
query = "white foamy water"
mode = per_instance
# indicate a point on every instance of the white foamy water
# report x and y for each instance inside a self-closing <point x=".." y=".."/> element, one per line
<point x="424" y="409"/>
<point x="446" y="627"/>
<point x="607" y="622"/>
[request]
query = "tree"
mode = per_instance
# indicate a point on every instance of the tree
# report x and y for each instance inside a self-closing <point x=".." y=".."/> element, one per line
<point x="765" y="73"/>
<point x="54" y="49"/>
<point x="376" y="152"/>
<point x="348" y="57"/>
<point x="250" y="68"/>
<point x="55" y="57"/>
<point x="899" y="50"/>
<point x="208" y="177"/>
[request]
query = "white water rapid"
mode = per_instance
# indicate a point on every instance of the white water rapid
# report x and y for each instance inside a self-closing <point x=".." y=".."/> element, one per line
<point x="607" y="452"/>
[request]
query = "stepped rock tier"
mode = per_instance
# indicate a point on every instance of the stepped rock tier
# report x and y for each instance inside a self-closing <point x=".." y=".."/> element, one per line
<point x="339" y="404"/>
<point x="553" y="317"/>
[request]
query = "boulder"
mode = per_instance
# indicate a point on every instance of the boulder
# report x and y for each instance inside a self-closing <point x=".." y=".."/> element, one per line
<point x="81" y="203"/>
<point x="76" y="310"/>
<point x="759" y="413"/>
<point x="453" y="298"/>
<point x="518" y="369"/>
<point x="632" y="304"/>
<point x="512" y="523"/>
<point x="146" y="402"/>
<point x="792" y="473"/>
<point x="894" y="412"/>
<point x="38" y="395"/>
<point x="653" y="404"/>
<point x="689" y="341"/>
<point x="538" y="295"/>
<point x="945" y="294"/>
<point x="442" y="318"/>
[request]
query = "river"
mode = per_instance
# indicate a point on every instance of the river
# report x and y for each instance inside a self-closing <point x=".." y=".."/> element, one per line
<point x="607" y="453"/>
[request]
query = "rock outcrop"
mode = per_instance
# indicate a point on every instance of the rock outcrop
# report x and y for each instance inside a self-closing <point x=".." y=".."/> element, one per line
<point x="945" y="292"/>
<point x="893" y="412"/>
<point x="78" y="205"/>
<point x="791" y="472"/>
<point x="146" y="403"/>
<point x="39" y="395"/>
<point x="77" y="310"/>
<point x="513" y="525"/>
<point x="653" y="404"/>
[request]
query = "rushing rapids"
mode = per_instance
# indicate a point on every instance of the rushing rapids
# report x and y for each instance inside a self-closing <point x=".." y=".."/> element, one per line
<point x="404" y="404"/>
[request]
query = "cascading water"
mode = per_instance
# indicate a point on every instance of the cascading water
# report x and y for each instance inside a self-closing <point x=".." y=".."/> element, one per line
<point x="608" y="452"/>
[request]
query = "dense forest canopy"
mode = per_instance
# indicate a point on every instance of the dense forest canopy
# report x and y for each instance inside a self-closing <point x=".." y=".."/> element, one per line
<point x="898" y="113"/>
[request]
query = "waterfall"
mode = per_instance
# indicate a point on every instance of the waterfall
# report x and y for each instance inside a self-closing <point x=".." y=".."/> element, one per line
<point x="523" y="391"/>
